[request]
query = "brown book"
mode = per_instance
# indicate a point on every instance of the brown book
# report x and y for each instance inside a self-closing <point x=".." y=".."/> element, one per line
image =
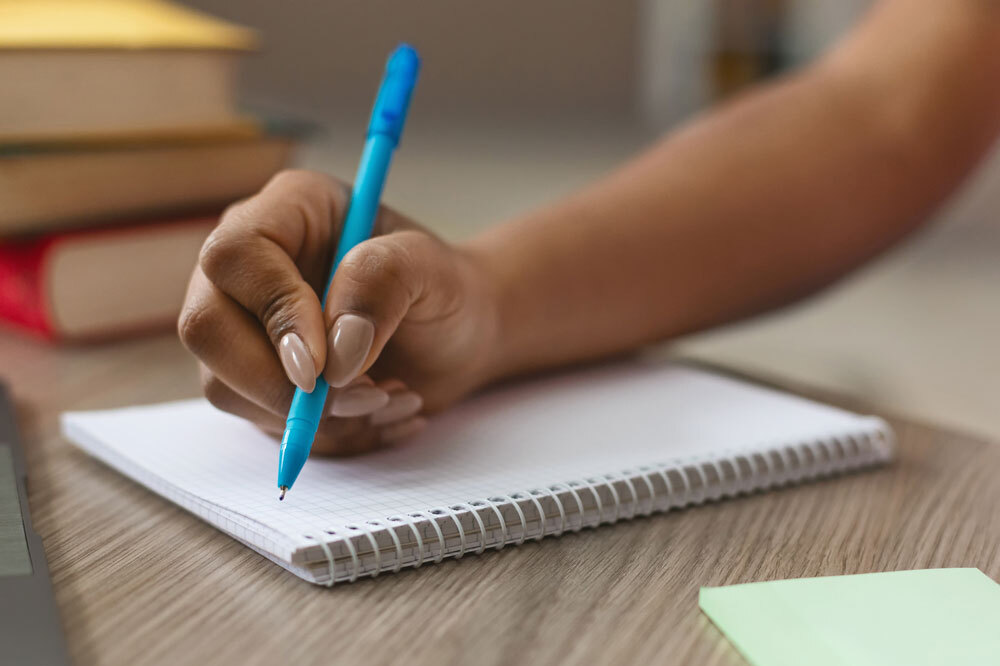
<point x="48" y="189"/>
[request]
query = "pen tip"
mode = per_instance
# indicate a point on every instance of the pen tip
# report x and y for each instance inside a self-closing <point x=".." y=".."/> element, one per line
<point x="284" y="489"/>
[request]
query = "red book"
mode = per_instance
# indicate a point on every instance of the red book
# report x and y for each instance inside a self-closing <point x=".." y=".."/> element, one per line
<point x="100" y="283"/>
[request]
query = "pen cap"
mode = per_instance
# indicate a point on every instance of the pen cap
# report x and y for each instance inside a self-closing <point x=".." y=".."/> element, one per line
<point x="393" y="99"/>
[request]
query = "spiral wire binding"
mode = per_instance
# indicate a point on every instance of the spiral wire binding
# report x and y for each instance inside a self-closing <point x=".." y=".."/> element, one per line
<point x="725" y="487"/>
<point x="716" y="465"/>
<point x="437" y="530"/>
<point x="479" y="521"/>
<point x="738" y="473"/>
<point x="589" y="485"/>
<point x="538" y="507"/>
<point x="416" y="534"/>
<point x="329" y="558"/>
<point x="768" y="466"/>
<point x="669" y="485"/>
<point x="614" y="497"/>
<point x="579" y="502"/>
<point x="634" y="497"/>
<point x="779" y="454"/>
<point x="461" y="532"/>
<point x="559" y="506"/>
<point x="398" y="544"/>
<point x="374" y="544"/>
<point x="650" y="487"/>
<point x="704" y="482"/>
<point x="686" y="490"/>
<point x="520" y="514"/>
<point x="503" y="523"/>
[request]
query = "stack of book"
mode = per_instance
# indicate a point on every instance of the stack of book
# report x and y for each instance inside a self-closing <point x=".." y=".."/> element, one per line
<point x="120" y="143"/>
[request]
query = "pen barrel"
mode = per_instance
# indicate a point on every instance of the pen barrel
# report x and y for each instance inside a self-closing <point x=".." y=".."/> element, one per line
<point x="300" y="430"/>
<point x="384" y="129"/>
<point x="363" y="208"/>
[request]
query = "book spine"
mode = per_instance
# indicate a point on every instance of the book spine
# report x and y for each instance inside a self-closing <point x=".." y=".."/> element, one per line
<point x="22" y="285"/>
<point x="351" y="551"/>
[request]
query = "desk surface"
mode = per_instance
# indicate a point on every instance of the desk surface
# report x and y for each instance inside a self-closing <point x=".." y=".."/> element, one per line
<point x="138" y="580"/>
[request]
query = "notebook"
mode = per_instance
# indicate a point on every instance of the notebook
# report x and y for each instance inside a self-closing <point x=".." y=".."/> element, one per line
<point x="524" y="461"/>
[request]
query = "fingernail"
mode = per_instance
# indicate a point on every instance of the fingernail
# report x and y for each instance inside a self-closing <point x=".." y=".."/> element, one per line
<point x="358" y="401"/>
<point x="401" y="406"/>
<point x="398" y="431"/>
<point x="297" y="361"/>
<point x="349" y="342"/>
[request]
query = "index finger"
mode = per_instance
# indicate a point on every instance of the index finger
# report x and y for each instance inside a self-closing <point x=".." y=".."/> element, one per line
<point x="270" y="254"/>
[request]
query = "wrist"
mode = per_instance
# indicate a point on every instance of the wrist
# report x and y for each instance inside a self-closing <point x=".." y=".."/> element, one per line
<point x="491" y="295"/>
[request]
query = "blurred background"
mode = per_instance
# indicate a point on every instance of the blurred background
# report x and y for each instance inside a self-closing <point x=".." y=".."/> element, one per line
<point x="521" y="102"/>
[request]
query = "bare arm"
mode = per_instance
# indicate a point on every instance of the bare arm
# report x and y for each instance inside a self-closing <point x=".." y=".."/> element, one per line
<point x="761" y="202"/>
<point x="745" y="209"/>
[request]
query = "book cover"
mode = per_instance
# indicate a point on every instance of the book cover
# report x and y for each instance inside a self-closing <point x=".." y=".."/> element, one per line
<point x="100" y="283"/>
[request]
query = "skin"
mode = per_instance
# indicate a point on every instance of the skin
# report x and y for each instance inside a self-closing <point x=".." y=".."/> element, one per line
<point x="745" y="209"/>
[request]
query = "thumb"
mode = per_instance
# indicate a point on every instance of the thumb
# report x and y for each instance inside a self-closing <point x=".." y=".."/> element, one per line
<point x="373" y="289"/>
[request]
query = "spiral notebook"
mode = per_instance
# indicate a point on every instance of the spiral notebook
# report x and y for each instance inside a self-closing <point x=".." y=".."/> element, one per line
<point x="524" y="461"/>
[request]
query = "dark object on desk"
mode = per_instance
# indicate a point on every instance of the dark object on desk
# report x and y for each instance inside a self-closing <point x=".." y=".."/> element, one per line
<point x="29" y="625"/>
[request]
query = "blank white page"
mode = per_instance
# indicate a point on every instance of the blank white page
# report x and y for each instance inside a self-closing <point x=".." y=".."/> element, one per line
<point x="600" y="420"/>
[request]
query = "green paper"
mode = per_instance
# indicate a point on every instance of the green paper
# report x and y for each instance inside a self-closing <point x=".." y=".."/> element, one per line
<point x="927" y="616"/>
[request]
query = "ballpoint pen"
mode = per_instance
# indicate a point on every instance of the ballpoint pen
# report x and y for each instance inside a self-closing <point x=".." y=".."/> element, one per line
<point x="384" y="129"/>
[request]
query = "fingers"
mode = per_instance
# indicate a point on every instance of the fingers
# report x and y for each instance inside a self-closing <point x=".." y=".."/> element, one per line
<point x="270" y="254"/>
<point x="235" y="353"/>
<point x="222" y="396"/>
<point x="374" y="288"/>
<point x="400" y="406"/>
<point x="359" y="398"/>
<point x="345" y="435"/>
<point x="233" y="346"/>
<point x="253" y="318"/>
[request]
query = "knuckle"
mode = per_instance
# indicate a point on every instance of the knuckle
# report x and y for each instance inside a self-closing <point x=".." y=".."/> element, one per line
<point x="216" y="392"/>
<point x="382" y="261"/>
<point x="277" y="312"/>
<point x="232" y="243"/>
<point x="194" y="327"/>
<point x="312" y="190"/>
<point x="299" y="178"/>
<point x="217" y="253"/>
<point x="276" y="397"/>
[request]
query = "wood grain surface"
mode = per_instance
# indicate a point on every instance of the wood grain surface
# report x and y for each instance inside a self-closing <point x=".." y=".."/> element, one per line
<point x="139" y="581"/>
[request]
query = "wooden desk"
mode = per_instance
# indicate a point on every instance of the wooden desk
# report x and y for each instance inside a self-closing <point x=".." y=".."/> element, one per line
<point x="140" y="581"/>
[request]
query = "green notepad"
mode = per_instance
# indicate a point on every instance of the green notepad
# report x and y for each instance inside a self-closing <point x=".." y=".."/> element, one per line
<point x="912" y="618"/>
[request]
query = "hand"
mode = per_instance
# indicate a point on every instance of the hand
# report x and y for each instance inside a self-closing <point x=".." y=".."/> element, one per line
<point x="409" y="323"/>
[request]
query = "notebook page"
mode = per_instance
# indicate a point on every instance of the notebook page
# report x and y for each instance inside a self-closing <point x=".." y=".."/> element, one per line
<point x="553" y="430"/>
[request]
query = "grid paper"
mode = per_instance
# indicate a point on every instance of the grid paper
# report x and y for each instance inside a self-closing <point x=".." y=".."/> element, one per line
<point x="576" y="426"/>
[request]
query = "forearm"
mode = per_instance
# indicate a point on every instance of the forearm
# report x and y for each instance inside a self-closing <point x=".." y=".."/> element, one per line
<point x="759" y="203"/>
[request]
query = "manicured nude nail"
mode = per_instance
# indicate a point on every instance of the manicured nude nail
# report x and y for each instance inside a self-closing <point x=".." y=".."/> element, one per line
<point x="358" y="401"/>
<point x="297" y="361"/>
<point x="401" y="406"/>
<point x="349" y="342"/>
<point x="403" y="429"/>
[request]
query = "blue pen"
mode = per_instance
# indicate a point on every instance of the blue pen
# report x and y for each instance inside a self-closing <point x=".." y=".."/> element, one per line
<point x="384" y="128"/>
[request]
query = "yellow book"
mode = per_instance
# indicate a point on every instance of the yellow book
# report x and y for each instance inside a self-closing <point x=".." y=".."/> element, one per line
<point x="87" y="71"/>
<point x="114" y="24"/>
